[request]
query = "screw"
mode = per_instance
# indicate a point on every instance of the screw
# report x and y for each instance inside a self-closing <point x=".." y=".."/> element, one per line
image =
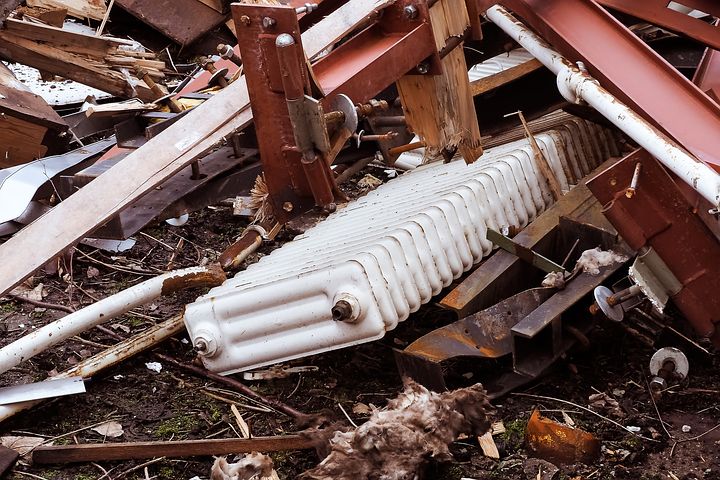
<point x="245" y="20"/>
<point x="410" y="12"/>
<point x="268" y="22"/>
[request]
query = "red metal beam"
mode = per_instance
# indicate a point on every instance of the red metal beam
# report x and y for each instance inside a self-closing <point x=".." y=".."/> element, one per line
<point x="658" y="13"/>
<point x="659" y="217"/>
<point x="583" y="31"/>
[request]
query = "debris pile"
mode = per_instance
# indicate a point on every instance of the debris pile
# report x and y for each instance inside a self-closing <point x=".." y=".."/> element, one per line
<point x="225" y="225"/>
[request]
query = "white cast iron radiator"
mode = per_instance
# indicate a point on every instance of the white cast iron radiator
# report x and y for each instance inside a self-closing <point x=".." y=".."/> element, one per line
<point x="372" y="263"/>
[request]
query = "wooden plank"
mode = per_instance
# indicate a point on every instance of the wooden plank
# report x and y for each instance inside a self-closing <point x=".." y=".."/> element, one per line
<point x="440" y="108"/>
<point x="20" y="141"/>
<point x="119" y="108"/>
<point x="173" y="449"/>
<point x="484" y="85"/>
<point x="94" y="9"/>
<point x="141" y="171"/>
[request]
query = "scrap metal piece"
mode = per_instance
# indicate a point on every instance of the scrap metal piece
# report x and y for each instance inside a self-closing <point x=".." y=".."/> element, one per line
<point x="661" y="13"/>
<point x="558" y="443"/>
<point x="613" y="312"/>
<point x="523" y="253"/>
<point x="681" y="366"/>
<point x="660" y="217"/>
<point x="182" y="20"/>
<point x="576" y="85"/>
<point x="37" y="391"/>
<point x="654" y="278"/>
<point x="18" y="185"/>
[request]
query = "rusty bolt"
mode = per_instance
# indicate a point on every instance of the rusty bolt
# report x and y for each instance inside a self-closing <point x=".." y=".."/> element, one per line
<point x="307" y="8"/>
<point x="288" y="206"/>
<point x="245" y="20"/>
<point x="423" y="68"/>
<point x="410" y="12"/>
<point x="341" y="311"/>
<point x="268" y="22"/>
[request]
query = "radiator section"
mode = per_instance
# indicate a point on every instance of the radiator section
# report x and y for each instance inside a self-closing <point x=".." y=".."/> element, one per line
<point x="372" y="263"/>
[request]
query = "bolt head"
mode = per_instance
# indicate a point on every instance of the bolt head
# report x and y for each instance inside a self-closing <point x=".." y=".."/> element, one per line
<point x="657" y="384"/>
<point x="288" y="206"/>
<point x="268" y="22"/>
<point x="410" y="12"/>
<point x="245" y="20"/>
<point x="423" y="68"/>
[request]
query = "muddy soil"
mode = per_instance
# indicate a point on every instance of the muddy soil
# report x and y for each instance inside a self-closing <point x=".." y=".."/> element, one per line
<point x="174" y="405"/>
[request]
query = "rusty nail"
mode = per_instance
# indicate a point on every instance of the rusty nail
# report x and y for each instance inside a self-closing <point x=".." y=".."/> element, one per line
<point x="630" y="191"/>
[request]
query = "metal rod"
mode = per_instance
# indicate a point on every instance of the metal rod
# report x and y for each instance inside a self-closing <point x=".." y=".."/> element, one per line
<point x="576" y="85"/>
<point x="406" y="148"/>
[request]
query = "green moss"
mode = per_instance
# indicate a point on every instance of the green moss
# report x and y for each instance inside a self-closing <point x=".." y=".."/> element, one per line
<point x="166" y="473"/>
<point x="514" y="435"/>
<point x="8" y="307"/>
<point x="177" y="426"/>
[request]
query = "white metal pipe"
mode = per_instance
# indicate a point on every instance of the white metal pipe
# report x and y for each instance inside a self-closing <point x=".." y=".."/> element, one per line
<point x="105" y="310"/>
<point x="576" y="85"/>
<point x="108" y="358"/>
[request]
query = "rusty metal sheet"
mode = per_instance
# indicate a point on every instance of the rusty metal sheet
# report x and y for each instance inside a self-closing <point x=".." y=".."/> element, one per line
<point x="707" y="75"/>
<point x="583" y="31"/>
<point x="658" y="13"/>
<point x="659" y="216"/>
<point x="484" y="334"/>
<point x="559" y="443"/>
<point x="181" y="20"/>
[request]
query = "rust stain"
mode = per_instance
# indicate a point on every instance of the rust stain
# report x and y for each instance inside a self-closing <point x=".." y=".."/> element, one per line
<point x="212" y="276"/>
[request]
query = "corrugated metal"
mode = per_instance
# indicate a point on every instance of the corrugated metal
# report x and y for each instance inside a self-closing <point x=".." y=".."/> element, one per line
<point x="386" y="253"/>
<point x="499" y="63"/>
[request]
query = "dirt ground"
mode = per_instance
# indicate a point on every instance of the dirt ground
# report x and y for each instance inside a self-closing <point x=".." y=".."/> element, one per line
<point x="172" y="404"/>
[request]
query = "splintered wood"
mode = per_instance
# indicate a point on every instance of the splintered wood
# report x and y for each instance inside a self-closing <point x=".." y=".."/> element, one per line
<point x="94" y="9"/>
<point x="102" y="62"/>
<point x="440" y="108"/>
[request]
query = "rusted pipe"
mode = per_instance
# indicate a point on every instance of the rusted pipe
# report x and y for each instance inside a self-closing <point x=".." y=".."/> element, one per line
<point x="576" y="86"/>
<point x="394" y="121"/>
<point x="105" y="310"/>
<point x="406" y="148"/>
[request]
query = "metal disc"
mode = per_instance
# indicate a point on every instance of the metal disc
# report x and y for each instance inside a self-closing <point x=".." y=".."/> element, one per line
<point x="343" y="104"/>
<point x="615" y="313"/>
<point x="682" y="366"/>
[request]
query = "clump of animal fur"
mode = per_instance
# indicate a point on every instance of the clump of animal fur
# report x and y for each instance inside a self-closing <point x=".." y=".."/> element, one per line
<point x="252" y="466"/>
<point x="397" y="442"/>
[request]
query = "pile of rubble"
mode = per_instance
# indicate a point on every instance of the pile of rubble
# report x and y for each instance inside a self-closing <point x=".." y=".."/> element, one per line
<point x="272" y="181"/>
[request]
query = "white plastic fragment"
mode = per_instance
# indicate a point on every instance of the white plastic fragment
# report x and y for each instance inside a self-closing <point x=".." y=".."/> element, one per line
<point x="154" y="366"/>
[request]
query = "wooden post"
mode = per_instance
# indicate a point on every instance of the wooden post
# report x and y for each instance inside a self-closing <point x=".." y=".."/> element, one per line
<point x="440" y="108"/>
